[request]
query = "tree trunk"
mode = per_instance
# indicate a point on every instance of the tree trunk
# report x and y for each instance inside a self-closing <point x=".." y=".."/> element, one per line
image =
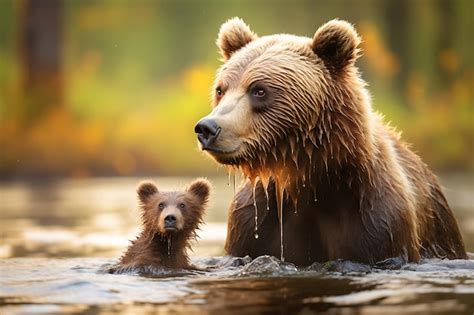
<point x="41" y="56"/>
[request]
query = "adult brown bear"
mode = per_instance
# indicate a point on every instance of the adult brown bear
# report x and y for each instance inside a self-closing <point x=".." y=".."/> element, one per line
<point x="326" y="177"/>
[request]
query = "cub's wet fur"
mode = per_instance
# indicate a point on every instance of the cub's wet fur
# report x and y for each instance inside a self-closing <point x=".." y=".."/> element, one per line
<point x="170" y="220"/>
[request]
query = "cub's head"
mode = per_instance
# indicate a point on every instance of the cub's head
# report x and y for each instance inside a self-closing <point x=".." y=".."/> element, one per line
<point x="274" y="90"/>
<point x="173" y="212"/>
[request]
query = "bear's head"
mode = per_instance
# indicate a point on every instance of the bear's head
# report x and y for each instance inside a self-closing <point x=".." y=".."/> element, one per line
<point x="285" y="105"/>
<point x="173" y="212"/>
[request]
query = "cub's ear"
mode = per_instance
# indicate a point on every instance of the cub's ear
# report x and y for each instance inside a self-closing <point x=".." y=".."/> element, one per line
<point x="233" y="35"/>
<point x="336" y="43"/>
<point x="200" y="188"/>
<point x="145" y="190"/>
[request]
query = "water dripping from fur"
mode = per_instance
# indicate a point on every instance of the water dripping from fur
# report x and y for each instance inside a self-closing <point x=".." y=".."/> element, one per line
<point x="256" y="210"/>
<point x="290" y="171"/>
<point x="279" y="196"/>
<point x="233" y="175"/>
<point x="268" y="201"/>
<point x="265" y="180"/>
<point x="231" y="180"/>
<point x="169" y="247"/>
<point x="295" y="202"/>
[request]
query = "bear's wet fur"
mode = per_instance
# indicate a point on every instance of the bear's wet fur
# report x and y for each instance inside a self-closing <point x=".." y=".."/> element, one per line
<point x="293" y="114"/>
<point x="170" y="220"/>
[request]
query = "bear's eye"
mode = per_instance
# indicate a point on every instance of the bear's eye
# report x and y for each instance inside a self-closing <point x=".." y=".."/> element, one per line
<point x="161" y="206"/>
<point x="219" y="92"/>
<point x="182" y="206"/>
<point x="259" y="92"/>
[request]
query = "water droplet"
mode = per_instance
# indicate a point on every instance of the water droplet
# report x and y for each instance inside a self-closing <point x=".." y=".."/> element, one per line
<point x="256" y="209"/>
<point x="279" y="194"/>
<point x="169" y="246"/>
<point x="266" y="195"/>
<point x="256" y="236"/>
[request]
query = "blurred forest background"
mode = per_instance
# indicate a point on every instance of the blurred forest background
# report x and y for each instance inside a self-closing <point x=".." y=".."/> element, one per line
<point x="112" y="87"/>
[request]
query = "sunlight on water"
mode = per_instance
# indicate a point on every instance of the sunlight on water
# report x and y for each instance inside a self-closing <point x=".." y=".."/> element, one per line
<point x="94" y="217"/>
<point x="264" y="284"/>
<point x="59" y="237"/>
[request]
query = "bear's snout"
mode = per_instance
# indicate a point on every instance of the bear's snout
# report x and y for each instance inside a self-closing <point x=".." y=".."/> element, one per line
<point x="170" y="221"/>
<point x="207" y="132"/>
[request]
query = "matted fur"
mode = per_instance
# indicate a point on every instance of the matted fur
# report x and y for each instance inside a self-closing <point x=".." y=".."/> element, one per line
<point x="156" y="248"/>
<point x="319" y="155"/>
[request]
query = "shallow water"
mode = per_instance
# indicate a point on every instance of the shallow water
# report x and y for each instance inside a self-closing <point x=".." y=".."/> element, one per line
<point x="54" y="232"/>
<point x="265" y="285"/>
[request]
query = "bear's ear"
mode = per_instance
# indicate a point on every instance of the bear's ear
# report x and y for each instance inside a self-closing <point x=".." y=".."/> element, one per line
<point x="336" y="43"/>
<point x="145" y="190"/>
<point x="233" y="35"/>
<point x="201" y="189"/>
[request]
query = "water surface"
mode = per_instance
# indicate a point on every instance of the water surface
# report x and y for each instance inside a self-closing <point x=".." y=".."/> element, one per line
<point x="59" y="237"/>
<point x="265" y="285"/>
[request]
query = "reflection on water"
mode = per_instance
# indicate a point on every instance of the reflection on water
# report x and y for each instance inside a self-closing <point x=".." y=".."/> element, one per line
<point x="97" y="217"/>
<point x="94" y="217"/>
<point x="43" y="221"/>
<point x="265" y="285"/>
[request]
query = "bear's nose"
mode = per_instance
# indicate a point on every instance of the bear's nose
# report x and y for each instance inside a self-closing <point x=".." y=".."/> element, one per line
<point x="207" y="131"/>
<point x="170" y="220"/>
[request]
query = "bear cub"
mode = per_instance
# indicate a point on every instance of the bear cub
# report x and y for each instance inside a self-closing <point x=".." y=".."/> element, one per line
<point x="170" y="220"/>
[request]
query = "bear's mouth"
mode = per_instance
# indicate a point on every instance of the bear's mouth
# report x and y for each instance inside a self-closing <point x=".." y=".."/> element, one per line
<point x="231" y="157"/>
<point x="171" y="229"/>
<point x="212" y="150"/>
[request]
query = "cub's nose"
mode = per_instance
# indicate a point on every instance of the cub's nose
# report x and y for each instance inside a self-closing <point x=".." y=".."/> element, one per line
<point x="170" y="220"/>
<point x="207" y="131"/>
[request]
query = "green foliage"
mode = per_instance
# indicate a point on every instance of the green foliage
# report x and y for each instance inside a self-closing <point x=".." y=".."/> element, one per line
<point x="138" y="75"/>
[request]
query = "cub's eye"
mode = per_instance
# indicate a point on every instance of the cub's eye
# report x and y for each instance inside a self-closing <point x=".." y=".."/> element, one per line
<point x="259" y="92"/>
<point x="161" y="206"/>
<point x="219" y="92"/>
<point x="182" y="206"/>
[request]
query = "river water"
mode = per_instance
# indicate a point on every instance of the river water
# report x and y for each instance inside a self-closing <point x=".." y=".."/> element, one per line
<point x="59" y="237"/>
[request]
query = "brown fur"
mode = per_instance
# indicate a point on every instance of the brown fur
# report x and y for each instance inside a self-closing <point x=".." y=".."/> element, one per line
<point x="156" y="246"/>
<point x="338" y="179"/>
<point x="233" y="36"/>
